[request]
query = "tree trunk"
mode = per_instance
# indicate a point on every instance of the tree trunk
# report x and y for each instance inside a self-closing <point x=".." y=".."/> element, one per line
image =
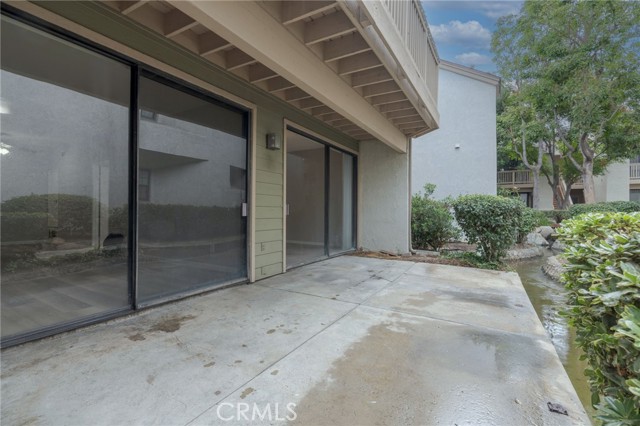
<point x="587" y="180"/>
<point x="567" y="201"/>
<point x="536" y="187"/>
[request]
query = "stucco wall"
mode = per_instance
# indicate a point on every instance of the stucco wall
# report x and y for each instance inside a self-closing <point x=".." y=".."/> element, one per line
<point x="468" y="118"/>
<point x="616" y="185"/>
<point x="384" y="198"/>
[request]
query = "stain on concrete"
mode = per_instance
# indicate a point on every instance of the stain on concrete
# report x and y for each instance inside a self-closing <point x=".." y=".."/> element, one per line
<point x="151" y="378"/>
<point x="217" y="392"/>
<point x="31" y="421"/>
<point x="237" y="361"/>
<point x="274" y="372"/>
<point x="209" y="364"/>
<point x="431" y="379"/>
<point x="273" y="330"/>
<point x="137" y="337"/>
<point x="171" y="324"/>
<point x="246" y="392"/>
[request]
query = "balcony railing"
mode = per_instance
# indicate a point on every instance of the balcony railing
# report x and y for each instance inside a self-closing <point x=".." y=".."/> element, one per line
<point x="515" y="177"/>
<point x="634" y="171"/>
<point x="412" y="26"/>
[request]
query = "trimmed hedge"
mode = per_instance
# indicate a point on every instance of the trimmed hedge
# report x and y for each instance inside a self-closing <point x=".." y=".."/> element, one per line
<point x="74" y="213"/>
<point x="610" y="206"/>
<point x="490" y="221"/>
<point x="603" y="279"/>
<point x="22" y="226"/>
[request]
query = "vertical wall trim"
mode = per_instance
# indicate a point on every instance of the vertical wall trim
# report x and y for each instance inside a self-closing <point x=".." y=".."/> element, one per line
<point x="285" y="131"/>
<point x="251" y="181"/>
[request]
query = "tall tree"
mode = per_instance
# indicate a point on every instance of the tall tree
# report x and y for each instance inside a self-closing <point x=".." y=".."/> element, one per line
<point x="585" y="54"/>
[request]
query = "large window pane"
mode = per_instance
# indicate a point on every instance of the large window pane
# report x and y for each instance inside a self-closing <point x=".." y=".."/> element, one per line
<point x="305" y="199"/>
<point x="191" y="186"/>
<point x="64" y="194"/>
<point x="340" y="202"/>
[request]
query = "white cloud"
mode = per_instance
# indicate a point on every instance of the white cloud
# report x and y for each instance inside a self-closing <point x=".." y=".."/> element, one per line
<point x="471" y="34"/>
<point x="490" y="9"/>
<point x="472" y="59"/>
<point x="494" y="10"/>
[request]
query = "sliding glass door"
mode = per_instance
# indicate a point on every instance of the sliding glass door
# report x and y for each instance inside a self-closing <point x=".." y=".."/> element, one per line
<point x="64" y="170"/>
<point x="120" y="188"/>
<point x="305" y="199"/>
<point x="320" y="200"/>
<point x="192" y="155"/>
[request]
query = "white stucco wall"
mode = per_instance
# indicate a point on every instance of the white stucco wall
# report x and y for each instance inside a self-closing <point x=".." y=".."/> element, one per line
<point x="384" y="198"/>
<point x="467" y="109"/>
<point x="616" y="186"/>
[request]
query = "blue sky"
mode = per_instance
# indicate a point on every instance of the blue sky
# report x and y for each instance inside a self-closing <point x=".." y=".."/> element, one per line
<point x="462" y="29"/>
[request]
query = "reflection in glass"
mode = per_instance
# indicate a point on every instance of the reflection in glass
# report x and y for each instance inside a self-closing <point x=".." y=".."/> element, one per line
<point x="64" y="192"/>
<point x="340" y="202"/>
<point x="305" y="199"/>
<point x="191" y="186"/>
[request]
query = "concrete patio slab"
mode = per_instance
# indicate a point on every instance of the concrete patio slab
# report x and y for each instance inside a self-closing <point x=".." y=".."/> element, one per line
<point x="348" y="341"/>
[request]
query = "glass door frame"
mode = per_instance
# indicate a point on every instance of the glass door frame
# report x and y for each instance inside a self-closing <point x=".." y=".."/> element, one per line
<point x="138" y="68"/>
<point x="328" y="146"/>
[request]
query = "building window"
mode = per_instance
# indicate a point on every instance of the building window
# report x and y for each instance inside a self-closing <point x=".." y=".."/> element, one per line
<point x="577" y="196"/>
<point x="634" y="195"/>
<point x="144" y="185"/>
<point x="237" y="177"/>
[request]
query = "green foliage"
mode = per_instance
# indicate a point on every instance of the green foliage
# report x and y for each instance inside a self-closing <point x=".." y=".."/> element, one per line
<point x="530" y="219"/>
<point x="556" y="216"/>
<point x="610" y="206"/>
<point x="509" y="192"/>
<point x="489" y="221"/>
<point x="603" y="279"/>
<point x="71" y="214"/>
<point x="431" y="221"/>
<point x="473" y="260"/>
<point x="575" y="73"/>
<point x="24" y="226"/>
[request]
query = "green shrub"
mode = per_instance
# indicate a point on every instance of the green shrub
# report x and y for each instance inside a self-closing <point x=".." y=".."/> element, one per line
<point x="509" y="192"/>
<point x="24" y="226"/>
<point x="431" y="222"/>
<point x="603" y="279"/>
<point x="489" y="221"/>
<point x="530" y="219"/>
<point x="610" y="206"/>
<point x="70" y="215"/>
<point x="556" y="216"/>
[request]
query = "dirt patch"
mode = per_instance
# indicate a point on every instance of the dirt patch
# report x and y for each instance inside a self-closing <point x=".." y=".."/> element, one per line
<point x="245" y="393"/>
<point x="169" y="325"/>
<point x="137" y="337"/>
<point x="421" y="258"/>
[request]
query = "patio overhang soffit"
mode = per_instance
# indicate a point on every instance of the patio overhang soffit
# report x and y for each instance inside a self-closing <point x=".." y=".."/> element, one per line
<point x="348" y="63"/>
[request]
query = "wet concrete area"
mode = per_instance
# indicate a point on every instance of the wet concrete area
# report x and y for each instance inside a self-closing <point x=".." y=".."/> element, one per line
<point x="351" y="341"/>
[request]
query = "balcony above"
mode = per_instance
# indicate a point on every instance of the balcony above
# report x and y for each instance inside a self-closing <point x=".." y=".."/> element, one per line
<point x="369" y="69"/>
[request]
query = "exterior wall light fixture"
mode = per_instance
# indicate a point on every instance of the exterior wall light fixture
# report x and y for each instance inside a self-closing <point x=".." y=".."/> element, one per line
<point x="273" y="141"/>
